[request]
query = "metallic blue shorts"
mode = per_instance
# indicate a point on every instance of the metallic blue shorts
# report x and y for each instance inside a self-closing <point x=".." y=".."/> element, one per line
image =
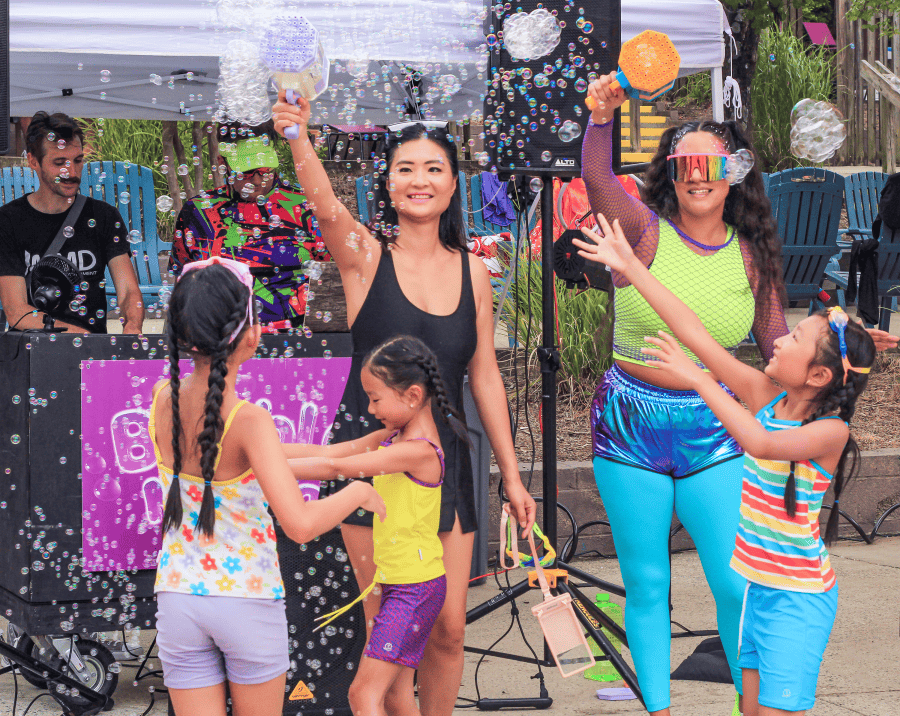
<point x="672" y="432"/>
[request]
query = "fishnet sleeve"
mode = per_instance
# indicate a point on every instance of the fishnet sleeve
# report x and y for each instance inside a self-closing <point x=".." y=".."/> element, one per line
<point x="608" y="197"/>
<point x="769" y="322"/>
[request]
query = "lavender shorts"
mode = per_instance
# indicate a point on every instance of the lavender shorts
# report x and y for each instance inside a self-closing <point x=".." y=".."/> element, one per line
<point x="404" y="621"/>
<point x="204" y="640"/>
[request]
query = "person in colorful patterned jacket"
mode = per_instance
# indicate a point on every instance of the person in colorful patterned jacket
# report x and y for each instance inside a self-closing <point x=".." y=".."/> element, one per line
<point x="798" y="444"/>
<point x="257" y="218"/>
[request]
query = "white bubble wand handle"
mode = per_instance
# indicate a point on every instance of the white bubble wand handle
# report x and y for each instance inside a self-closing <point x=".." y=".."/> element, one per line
<point x="292" y="132"/>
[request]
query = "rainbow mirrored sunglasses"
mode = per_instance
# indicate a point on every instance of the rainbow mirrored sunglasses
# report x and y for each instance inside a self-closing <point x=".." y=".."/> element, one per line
<point x="838" y="321"/>
<point x="712" y="167"/>
<point x="241" y="271"/>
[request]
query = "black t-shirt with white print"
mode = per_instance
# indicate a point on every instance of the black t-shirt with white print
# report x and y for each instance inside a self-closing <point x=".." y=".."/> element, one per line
<point x="100" y="235"/>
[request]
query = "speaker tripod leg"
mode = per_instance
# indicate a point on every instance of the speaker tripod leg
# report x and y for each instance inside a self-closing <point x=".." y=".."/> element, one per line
<point x="606" y="647"/>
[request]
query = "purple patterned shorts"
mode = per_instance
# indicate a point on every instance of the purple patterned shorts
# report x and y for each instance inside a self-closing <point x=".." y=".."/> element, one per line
<point x="404" y="621"/>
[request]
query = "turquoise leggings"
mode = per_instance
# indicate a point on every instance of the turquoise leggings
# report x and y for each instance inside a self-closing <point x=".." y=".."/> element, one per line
<point x="639" y="504"/>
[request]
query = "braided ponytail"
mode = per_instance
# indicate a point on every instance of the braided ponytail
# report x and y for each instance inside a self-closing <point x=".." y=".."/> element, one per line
<point x="173" y="514"/>
<point x="438" y="390"/>
<point x="213" y="425"/>
<point x="840" y="397"/>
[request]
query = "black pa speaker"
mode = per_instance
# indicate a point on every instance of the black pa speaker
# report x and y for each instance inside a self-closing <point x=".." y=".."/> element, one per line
<point x="535" y="115"/>
<point x="318" y="579"/>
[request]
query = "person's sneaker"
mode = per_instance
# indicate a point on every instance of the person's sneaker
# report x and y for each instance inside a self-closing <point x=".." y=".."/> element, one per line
<point x="736" y="711"/>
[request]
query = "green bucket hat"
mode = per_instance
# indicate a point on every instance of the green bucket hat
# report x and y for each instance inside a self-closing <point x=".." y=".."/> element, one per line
<point x="248" y="154"/>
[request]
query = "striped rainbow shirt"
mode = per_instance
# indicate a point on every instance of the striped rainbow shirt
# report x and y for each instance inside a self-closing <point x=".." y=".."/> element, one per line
<point x="773" y="549"/>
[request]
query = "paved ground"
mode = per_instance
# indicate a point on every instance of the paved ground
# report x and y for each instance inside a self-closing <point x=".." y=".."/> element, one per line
<point x="860" y="675"/>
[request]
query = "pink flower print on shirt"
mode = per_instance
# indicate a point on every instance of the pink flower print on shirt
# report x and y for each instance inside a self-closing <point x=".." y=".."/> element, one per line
<point x="195" y="493"/>
<point x="188" y="533"/>
<point x="174" y="578"/>
<point x="254" y="584"/>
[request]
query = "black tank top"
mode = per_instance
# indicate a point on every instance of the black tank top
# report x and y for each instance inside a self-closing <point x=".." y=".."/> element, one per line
<point x="386" y="313"/>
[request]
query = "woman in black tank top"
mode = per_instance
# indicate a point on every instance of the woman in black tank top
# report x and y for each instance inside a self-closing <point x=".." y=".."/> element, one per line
<point x="410" y="272"/>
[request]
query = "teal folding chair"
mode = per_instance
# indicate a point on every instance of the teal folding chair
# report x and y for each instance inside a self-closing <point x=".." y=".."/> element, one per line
<point x="806" y="205"/>
<point x="129" y="187"/>
<point x="15" y="182"/>
<point x="862" y="192"/>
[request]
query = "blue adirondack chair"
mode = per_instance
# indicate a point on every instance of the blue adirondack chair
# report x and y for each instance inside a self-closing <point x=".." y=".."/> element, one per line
<point x="862" y="192"/>
<point x="129" y="187"/>
<point x="806" y="204"/>
<point x="14" y="183"/>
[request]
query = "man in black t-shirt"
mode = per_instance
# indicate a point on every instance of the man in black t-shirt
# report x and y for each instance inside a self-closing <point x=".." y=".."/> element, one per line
<point x="29" y="224"/>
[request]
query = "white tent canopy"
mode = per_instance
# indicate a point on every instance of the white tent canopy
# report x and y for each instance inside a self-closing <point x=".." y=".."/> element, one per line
<point x="158" y="59"/>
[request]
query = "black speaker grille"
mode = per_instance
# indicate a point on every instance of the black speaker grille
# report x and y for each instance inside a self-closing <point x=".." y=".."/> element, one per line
<point x="529" y="101"/>
<point x="318" y="579"/>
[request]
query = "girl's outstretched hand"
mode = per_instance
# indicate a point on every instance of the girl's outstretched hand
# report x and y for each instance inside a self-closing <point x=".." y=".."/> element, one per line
<point x="669" y="357"/>
<point x="609" y="247"/>
<point x="286" y="114"/>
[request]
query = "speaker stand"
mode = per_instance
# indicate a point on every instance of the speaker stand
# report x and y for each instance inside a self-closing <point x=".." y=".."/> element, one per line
<point x="591" y="618"/>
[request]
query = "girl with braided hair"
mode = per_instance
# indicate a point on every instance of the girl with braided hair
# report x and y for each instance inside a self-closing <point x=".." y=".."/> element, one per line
<point x="798" y="443"/>
<point x="402" y="381"/>
<point x="220" y="598"/>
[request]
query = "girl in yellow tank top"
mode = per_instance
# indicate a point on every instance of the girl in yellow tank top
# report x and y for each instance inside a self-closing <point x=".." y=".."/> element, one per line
<point x="404" y="387"/>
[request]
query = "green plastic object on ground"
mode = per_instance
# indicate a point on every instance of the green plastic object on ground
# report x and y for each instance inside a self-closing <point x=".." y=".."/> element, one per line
<point x="604" y="670"/>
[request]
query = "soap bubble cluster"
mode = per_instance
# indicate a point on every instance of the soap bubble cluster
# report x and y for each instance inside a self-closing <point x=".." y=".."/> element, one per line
<point x="443" y="88"/>
<point x="817" y="130"/>
<point x="528" y="36"/>
<point x="243" y="84"/>
<point x="738" y="166"/>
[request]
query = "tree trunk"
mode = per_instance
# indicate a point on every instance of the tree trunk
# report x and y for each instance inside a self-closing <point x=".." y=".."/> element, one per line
<point x="212" y="142"/>
<point x="197" y="154"/>
<point x="169" y="132"/>
<point x="745" y="62"/>
<point x="182" y="161"/>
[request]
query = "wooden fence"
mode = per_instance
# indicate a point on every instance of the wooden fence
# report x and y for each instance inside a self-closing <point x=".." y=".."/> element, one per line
<point x="867" y="112"/>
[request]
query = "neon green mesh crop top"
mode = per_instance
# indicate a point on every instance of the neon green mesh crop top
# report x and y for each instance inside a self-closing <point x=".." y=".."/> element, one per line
<point x="714" y="286"/>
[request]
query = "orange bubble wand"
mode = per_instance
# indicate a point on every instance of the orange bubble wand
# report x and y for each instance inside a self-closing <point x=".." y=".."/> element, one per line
<point x="648" y="67"/>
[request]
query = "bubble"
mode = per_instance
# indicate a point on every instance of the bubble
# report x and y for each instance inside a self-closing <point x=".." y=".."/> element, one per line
<point x="569" y="131"/>
<point x="244" y="78"/>
<point x="581" y="84"/>
<point x="738" y="166"/>
<point x="134" y="237"/>
<point x="15" y="439"/>
<point x="104" y="75"/>
<point x="536" y="184"/>
<point x="546" y="156"/>
<point x="156" y="79"/>
<point x="531" y="35"/>
<point x="125" y="198"/>
<point x="182" y="170"/>
<point x="817" y="130"/>
<point x="164" y="203"/>
<point x="69" y="232"/>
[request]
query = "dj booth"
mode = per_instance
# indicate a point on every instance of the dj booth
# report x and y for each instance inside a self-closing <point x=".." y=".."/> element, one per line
<point x="81" y="502"/>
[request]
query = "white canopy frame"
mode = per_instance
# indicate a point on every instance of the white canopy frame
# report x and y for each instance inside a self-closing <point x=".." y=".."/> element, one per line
<point x="95" y="58"/>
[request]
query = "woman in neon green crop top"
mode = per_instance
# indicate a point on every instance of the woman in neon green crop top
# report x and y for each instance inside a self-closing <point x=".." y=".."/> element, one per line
<point x="657" y="446"/>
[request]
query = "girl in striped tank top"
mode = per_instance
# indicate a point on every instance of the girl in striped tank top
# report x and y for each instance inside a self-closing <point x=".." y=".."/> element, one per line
<point x="798" y="443"/>
<point x="401" y="379"/>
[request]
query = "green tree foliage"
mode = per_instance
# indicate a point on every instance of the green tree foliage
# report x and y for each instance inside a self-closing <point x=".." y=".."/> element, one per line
<point x="874" y="14"/>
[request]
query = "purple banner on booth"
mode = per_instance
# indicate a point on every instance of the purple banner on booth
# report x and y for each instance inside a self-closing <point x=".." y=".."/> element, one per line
<point x="122" y="500"/>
